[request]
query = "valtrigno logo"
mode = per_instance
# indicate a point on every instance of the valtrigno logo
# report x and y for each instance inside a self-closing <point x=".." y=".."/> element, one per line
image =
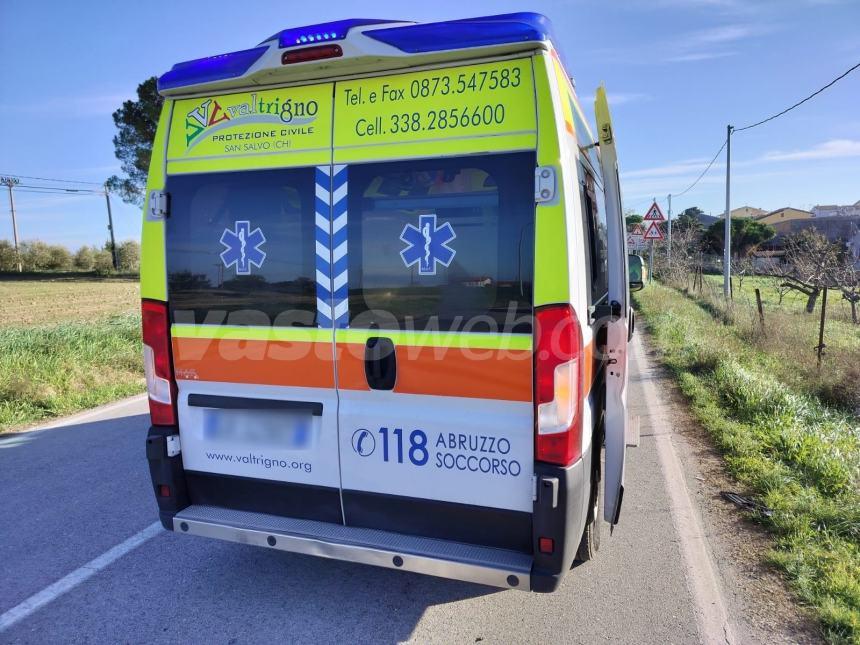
<point x="209" y="116"/>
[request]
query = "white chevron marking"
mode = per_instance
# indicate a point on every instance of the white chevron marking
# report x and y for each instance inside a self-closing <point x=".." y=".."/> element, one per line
<point x="339" y="193"/>
<point x="323" y="307"/>
<point x="322" y="279"/>
<point x="322" y="251"/>
<point x="322" y="222"/>
<point x="340" y="280"/>
<point x="339" y="252"/>
<point x="341" y="308"/>
<point x="323" y="193"/>
<point x="339" y="222"/>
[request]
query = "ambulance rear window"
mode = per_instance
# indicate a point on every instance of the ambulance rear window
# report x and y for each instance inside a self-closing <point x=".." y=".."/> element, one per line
<point x="442" y="244"/>
<point x="240" y="248"/>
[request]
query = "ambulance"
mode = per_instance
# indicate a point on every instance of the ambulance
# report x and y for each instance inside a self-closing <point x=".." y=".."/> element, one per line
<point x="385" y="300"/>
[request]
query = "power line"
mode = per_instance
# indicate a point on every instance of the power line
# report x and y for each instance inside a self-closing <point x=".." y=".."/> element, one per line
<point x="54" y="192"/>
<point x="64" y="181"/>
<point x="704" y="172"/>
<point x="62" y="190"/>
<point x="801" y="102"/>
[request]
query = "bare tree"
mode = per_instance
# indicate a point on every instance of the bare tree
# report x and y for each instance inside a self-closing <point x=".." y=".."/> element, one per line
<point x="848" y="281"/>
<point x="812" y="263"/>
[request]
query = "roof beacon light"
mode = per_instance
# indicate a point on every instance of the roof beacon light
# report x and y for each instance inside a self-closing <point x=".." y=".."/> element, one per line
<point x="336" y="30"/>
<point x="214" y="68"/>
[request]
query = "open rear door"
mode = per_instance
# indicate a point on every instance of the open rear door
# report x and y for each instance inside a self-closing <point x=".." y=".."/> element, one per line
<point x="616" y="343"/>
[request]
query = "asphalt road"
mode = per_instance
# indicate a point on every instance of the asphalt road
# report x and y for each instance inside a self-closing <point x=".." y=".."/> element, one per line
<point x="73" y="493"/>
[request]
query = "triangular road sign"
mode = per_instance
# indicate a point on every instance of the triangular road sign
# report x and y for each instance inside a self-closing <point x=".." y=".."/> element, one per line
<point x="653" y="232"/>
<point x="654" y="214"/>
<point x="637" y="230"/>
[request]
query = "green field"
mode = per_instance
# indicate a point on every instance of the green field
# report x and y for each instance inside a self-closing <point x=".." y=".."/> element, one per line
<point x="790" y="335"/>
<point x="765" y="403"/>
<point x="66" y="344"/>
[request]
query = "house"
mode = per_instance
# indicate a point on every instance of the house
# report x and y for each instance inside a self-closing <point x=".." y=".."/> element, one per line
<point x="748" y="212"/>
<point x="846" y="229"/>
<point x="833" y="210"/>
<point x="783" y="215"/>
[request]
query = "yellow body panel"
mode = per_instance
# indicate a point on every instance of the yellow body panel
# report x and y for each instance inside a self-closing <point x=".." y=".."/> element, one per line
<point x="551" y="280"/>
<point x="153" y="268"/>
<point x="260" y="122"/>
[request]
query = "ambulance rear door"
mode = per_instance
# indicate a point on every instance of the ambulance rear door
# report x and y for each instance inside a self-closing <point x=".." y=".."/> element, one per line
<point x="252" y="338"/>
<point x="433" y="302"/>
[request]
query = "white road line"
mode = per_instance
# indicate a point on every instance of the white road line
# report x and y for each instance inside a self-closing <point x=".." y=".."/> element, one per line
<point x="711" y="614"/>
<point x="76" y="577"/>
<point x="89" y="414"/>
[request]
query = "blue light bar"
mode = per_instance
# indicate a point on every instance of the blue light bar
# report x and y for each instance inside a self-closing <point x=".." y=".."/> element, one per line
<point x="214" y="68"/>
<point x="468" y="32"/>
<point x="326" y="31"/>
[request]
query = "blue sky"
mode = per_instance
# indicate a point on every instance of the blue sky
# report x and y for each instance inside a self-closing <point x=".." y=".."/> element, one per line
<point x="677" y="72"/>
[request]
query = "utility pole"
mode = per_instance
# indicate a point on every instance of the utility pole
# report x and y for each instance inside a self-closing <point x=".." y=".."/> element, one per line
<point x="669" y="196"/>
<point x="727" y="231"/>
<point x="110" y="228"/>
<point x="9" y="182"/>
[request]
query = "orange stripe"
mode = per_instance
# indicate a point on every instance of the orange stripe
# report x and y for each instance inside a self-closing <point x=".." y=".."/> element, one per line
<point x="300" y="364"/>
<point x="447" y="371"/>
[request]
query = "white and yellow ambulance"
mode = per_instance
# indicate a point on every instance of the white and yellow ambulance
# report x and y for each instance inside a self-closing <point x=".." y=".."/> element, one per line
<point x="385" y="301"/>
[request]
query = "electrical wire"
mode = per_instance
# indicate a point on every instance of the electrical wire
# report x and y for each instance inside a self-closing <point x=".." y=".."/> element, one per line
<point x="64" y="181"/>
<point x="54" y="192"/>
<point x="801" y="102"/>
<point x="704" y="172"/>
<point x="61" y="190"/>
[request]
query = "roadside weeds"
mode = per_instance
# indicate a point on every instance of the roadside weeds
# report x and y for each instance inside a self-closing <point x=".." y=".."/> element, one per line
<point x="796" y="455"/>
<point x="53" y="370"/>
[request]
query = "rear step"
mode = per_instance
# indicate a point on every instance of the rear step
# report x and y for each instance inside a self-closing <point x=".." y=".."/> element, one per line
<point x="484" y="565"/>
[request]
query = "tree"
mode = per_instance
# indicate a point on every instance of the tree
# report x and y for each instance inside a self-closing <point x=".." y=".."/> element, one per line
<point x="631" y="217"/>
<point x="8" y="257"/>
<point x="84" y="259"/>
<point x="747" y="234"/>
<point x="102" y="262"/>
<point x="59" y="258"/>
<point x="689" y="218"/>
<point x="128" y="256"/>
<point x="812" y="263"/>
<point x="137" y="122"/>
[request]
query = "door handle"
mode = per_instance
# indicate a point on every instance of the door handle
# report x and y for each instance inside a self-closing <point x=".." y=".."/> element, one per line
<point x="380" y="363"/>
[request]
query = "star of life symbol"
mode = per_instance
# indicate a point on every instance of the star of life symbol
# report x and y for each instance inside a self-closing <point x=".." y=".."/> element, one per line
<point x="428" y="245"/>
<point x="243" y="247"/>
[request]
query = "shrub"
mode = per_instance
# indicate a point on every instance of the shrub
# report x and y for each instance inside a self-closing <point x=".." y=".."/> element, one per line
<point x="102" y="262"/>
<point x="128" y="256"/>
<point x="84" y="259"/>
<point x="8" y="257"/>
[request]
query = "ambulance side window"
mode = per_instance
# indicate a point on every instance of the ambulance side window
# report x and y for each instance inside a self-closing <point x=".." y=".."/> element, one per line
<point x="442" y="244"/>
<point x="240" y="248"/>
<point x="595" y="218"/>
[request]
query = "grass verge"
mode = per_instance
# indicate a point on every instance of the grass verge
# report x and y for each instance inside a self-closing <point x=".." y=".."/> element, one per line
<point x="795" y="454"/>
<point x="52" y="370"/>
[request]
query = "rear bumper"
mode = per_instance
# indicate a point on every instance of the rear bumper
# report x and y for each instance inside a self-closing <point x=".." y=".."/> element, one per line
<point x="483" y="565"/>
<point x="559" y="513"/>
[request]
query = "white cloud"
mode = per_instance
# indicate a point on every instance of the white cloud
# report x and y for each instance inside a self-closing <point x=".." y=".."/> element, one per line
<point x="833" y="149"/>
<point x="698" y="56"/>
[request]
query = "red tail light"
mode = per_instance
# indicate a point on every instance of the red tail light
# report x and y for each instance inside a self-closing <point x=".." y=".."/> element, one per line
<point x="558" y="385"/>
<point x="160" y="384"/>
<point x="308" y="54"/>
